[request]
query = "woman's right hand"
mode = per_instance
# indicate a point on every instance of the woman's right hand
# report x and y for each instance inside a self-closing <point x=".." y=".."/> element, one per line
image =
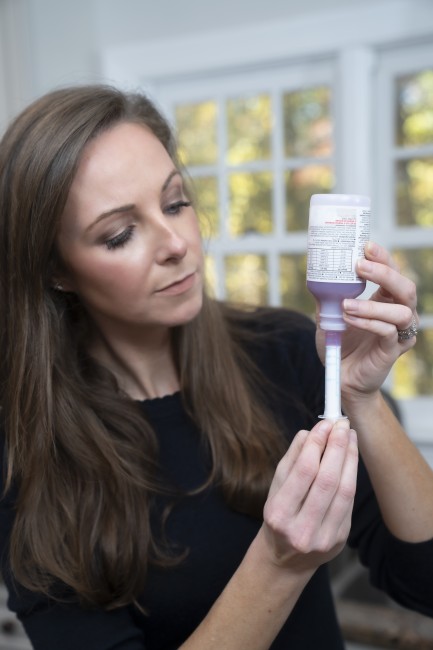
<point x="307" y="515"/>
<point x="306" y="522"/>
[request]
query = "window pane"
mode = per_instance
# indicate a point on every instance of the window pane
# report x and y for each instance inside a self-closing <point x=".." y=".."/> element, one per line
<point x="247" y="279"/>
<point x="307" y="123"/>
<point x="293" y="289"/>
<point x="414" y="123"/>
<point x="197" y="133"/>
<point x="413" y="371"/>
<point x="417" y="264"/>
<point x="206" y="197"/>
<point x="414" y="183"/>
<point x="250" y="203"/>
<point x="300" y="185"/>
<point x="249" y="123"/>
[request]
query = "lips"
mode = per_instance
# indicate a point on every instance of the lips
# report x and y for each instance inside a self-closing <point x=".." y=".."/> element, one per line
<point x="179" y="286"/>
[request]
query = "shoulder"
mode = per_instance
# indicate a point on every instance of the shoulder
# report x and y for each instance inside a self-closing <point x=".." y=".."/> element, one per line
<point x="268" y="320"/>
<point x="267" y="329"/>
<point x="281" y="343"/>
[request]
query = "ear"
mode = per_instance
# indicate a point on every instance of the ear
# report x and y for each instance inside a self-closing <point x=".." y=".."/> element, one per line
<point x="61" y="283"/>
<point x="58" y="275"/>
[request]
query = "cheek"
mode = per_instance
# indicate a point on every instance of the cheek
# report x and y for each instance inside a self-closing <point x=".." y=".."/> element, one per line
<point x="106" y="272"/>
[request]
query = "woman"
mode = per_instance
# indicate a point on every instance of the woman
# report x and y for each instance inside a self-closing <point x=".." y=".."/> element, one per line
<point x="145" y="503"/>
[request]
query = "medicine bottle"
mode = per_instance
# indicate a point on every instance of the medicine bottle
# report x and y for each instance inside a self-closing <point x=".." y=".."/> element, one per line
<point x="338" y="229"/>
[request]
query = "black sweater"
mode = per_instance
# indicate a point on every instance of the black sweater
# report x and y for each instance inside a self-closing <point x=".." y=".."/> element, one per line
<point x="217" y="537"/>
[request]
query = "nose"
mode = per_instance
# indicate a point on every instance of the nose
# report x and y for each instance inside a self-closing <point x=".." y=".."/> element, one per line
<point x="169" y="243"/>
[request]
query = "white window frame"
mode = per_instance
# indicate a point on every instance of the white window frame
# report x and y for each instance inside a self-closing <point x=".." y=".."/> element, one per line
<point x="354" y="38"/>
<point x="392" y="63"/>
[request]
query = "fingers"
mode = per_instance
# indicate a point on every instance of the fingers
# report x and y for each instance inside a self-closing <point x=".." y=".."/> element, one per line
<point x="314" y="475"/>
<point x="307" y="519"/>
<point x="380" y="268"/>
<point x="331" y="495"/>
<point x="339" y="514"/>
<point x="380" y="318"/>
<point x="392" y="307"/>
<point x="377" y="253"/>
<point x="298" y="468"/>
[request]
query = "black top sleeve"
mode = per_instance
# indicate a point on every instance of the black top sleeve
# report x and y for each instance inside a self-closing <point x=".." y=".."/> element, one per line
<point x="403" y="570"/>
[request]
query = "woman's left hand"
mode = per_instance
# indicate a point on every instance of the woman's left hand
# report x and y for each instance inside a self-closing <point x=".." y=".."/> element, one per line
<point x="371" y="343"/>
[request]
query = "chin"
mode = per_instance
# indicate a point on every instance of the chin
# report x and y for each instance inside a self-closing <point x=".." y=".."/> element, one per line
<point x="187" y="312"/>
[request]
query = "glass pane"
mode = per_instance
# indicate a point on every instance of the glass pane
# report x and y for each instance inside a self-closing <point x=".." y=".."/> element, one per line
<point x="247" y="279"/>
<point x="413" y="371"/>
<point x="417" y="264"/>
<point x="250" y="203"/>
<point x="307" y="122"/>
<point x="414" y="123"/>
<point x="206" y="198"/>
<point x="249" y="124"/>
<point x="300" y="185"/>
<point x="293" y="289"/>
<point x="210" y="275"/>
<point x="196" y="126"/>
<point x="414" y="183"/>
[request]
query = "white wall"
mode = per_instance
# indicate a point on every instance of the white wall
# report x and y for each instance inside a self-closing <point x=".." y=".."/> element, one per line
<point x="63" y="43"/>
<point x="60" y="41"/>
<point x="67" y="37"/>
<point x="139" y="20"/>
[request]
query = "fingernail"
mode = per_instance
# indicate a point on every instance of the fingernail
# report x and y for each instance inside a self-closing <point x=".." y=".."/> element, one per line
<point x="350" y="305"/>
<point x="372" y="248"/>
<point x="342" y="424"/>
<point x="323" y="426"/>
<point x="365" y="265"/>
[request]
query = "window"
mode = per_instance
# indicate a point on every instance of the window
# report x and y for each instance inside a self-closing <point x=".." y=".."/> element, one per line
<point x="405" y="200"/>
<point x="256" y="147"/>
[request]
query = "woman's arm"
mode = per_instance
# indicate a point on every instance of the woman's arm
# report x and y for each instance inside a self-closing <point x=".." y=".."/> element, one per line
<point x="306" y="522"/>
<point x="402" y="479"/>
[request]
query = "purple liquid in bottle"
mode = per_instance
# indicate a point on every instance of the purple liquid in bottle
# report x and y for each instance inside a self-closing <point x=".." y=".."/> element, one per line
<point x="330" y="296"/>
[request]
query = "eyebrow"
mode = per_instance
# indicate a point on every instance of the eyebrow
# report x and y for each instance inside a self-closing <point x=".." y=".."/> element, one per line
<point x="130" y="206"/>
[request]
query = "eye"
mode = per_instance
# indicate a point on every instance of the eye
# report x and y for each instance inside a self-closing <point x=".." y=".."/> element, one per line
<point x="177" y="207"/>
<point x="119" y="240"/>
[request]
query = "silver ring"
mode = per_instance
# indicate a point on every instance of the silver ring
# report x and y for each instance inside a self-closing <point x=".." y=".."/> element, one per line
<point x="409" y="333"/>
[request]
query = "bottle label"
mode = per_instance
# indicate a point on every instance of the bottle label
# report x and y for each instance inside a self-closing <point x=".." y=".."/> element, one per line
<point x="337" y="235"/>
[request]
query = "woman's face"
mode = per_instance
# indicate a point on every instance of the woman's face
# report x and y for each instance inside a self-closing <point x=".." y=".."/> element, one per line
<point x="128" y="238"/>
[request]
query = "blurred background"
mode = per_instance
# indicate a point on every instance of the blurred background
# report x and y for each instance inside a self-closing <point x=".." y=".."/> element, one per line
<point x="272" y="101"/>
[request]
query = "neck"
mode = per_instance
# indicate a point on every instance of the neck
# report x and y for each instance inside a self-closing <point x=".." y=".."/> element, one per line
<point x="144" y="367"/>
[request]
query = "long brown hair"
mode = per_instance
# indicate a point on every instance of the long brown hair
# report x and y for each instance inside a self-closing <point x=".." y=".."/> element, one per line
<point x="82" y="454"/>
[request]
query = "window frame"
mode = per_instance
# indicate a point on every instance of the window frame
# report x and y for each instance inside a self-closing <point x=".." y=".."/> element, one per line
<point x="392" y="63"/>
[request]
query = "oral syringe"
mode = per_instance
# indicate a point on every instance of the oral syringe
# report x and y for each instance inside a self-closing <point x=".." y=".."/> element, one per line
<point x="338" y="229"/>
